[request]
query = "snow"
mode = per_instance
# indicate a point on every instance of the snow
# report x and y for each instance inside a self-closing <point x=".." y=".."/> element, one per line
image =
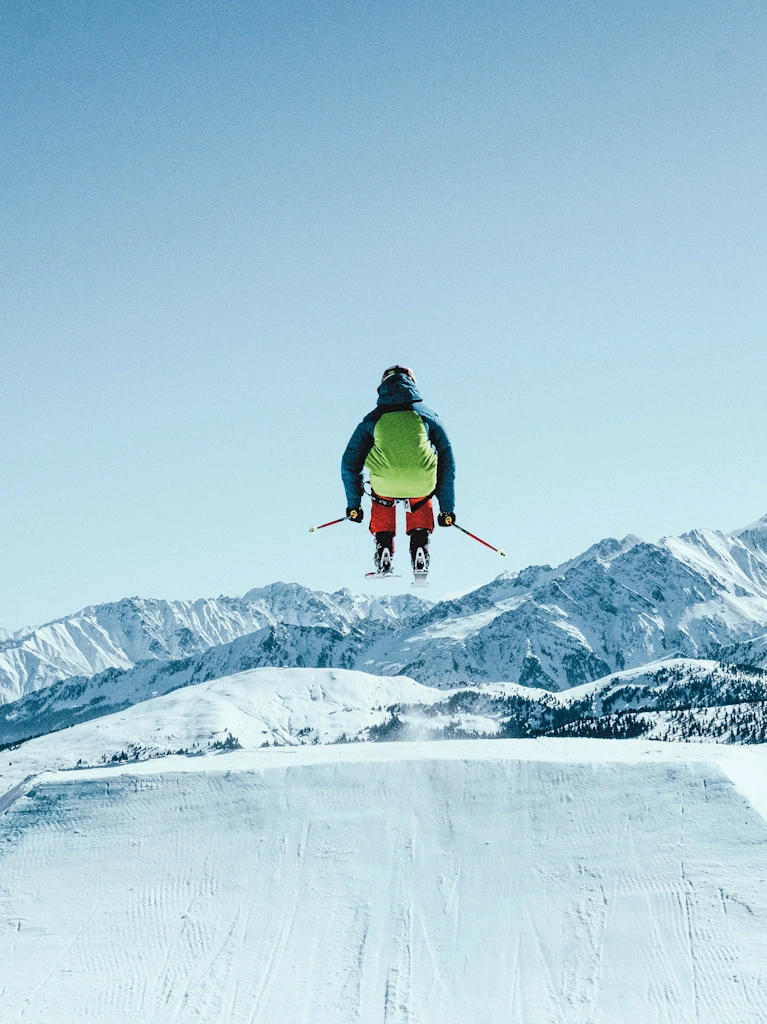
<point x="120" y="634"/>
<point x="759" y="524"/>
<point x="529" y="882"/>
<point x="639" y="676"/>
<point x="459" y="627"/>
<point x="272" y="705"/>
<point x="618" y="605"/>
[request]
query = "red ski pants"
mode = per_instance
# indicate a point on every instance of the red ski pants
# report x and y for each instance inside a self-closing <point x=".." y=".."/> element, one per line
<point x="383" y="518"/>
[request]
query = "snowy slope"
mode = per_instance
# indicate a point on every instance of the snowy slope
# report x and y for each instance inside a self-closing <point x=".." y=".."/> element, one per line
<point x="681" y="699"/>
<point x="725" y="724"/>
<point x="748" y="652"/>
<point x="257" y="707"/>
<point x="527" y="882"/>
<point x="121" y="634"/>
<point x="678" y="699"/>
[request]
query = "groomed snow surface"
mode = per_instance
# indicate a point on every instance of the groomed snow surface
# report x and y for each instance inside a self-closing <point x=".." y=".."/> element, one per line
<point x="529" y="882"/>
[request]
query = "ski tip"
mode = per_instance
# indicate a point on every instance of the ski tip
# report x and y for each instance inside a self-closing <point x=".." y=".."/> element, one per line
<point x="501" y="553"/>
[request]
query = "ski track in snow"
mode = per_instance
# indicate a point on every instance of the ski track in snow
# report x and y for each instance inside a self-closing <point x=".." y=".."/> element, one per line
<point x="559" y="882"/>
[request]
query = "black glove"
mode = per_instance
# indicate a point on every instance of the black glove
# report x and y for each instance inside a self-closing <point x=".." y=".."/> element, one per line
<point x="446" y="518"/>
<point x="355" y="515"/>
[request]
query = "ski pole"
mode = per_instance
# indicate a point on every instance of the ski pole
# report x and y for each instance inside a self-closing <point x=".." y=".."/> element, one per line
<point x="313" y="529"/>
<point x="500" y="551"/>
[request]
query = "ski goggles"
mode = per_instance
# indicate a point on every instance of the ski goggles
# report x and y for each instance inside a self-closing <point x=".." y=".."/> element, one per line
<point x="398" y="369"/>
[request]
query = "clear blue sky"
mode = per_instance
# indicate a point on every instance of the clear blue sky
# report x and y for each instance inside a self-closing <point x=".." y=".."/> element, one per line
<point x="221" y="221"/>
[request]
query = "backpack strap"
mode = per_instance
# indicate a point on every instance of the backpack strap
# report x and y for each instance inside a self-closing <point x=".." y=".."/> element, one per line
<point x="390" y="503"/>
<point x="382" y="501"/>
<point x="422" y="502"/>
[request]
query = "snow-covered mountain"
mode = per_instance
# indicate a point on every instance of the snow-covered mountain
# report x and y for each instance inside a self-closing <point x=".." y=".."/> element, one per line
<point x="7" y="635"/>
<point x="619" y="606"/>
<point x="120" y="634"/>
<point x="75" y="700"/>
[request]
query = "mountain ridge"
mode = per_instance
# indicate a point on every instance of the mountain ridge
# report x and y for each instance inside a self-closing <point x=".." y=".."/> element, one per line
<point x="618" y="605"/>
<point x="121" y="634"/>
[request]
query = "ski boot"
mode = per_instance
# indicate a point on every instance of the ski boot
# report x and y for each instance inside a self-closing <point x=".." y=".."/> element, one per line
<point x="419" y="557"/>
<point x="383" y="556"/>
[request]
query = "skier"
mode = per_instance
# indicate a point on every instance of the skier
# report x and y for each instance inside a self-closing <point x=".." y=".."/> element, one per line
<point x="407" y="454"/>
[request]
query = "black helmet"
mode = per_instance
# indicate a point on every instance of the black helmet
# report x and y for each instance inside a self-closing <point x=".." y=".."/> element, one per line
<point x="398" y="369"/>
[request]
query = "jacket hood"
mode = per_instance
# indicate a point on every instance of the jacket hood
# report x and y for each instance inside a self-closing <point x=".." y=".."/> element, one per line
<point x="398" y="390"/>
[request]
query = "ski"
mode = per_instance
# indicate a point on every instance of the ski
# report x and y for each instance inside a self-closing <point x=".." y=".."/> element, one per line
<point x="382" y="575"/>
<point x="419" y="557"/>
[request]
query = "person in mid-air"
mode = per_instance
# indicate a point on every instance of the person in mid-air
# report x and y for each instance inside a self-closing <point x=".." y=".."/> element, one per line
<point x="407" y="454"/>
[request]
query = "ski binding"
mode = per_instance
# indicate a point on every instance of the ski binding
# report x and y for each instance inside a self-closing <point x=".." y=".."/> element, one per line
<point x="420" y="578"/>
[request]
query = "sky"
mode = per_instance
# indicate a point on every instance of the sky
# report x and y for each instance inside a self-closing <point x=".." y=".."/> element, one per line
<point x="222" y="221"/>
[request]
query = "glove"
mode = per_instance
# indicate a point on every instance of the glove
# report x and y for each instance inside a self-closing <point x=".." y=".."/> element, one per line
<point x="355" y="515"/>
<point x="446" y="518"/>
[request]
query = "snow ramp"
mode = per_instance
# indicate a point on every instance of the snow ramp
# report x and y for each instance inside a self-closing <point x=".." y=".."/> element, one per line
<point x="510" y="881"/>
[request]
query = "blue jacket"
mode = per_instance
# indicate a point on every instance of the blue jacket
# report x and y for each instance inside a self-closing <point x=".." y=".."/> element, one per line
<point x="398" y="394"/>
